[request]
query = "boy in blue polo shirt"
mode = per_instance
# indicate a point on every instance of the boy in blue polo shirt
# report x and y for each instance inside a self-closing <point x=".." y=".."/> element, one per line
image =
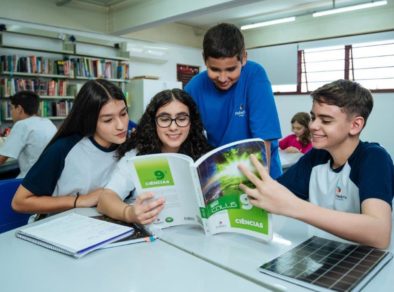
<point x="234" y="96"/>
<point x="349" y="183"/>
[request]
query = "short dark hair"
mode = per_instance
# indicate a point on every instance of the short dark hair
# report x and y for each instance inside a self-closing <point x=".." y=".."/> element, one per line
<point x="145" y="139"/>
<point x="350" y="96"/>
<point x="28" y="100"/>
<point x="223" y="41"/>
<point x="85" y="111"/>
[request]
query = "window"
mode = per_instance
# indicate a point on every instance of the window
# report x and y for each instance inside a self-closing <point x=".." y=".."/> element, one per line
<point x="320" y="66"/>
<point x="371" y="64"/>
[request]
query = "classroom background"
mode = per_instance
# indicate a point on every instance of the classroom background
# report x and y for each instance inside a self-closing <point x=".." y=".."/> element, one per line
<point x="159" y="35"/>
<point x="145" y="46"/>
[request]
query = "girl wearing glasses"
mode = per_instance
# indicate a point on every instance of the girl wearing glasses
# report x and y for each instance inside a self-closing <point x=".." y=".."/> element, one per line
<point x="171" y="123"/>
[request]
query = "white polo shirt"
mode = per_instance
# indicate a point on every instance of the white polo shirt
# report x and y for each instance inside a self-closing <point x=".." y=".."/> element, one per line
<point x="27" y="140"/>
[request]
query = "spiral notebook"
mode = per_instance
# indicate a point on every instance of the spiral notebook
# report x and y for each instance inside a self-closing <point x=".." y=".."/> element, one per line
<point x="74" y="234"/>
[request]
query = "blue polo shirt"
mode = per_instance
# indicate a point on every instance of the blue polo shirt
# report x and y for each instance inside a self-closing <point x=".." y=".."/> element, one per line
<point x="246" y="110"/>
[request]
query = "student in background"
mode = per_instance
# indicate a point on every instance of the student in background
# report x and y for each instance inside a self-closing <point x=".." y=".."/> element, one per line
<point x="30" y="133"/>
<point x="78" y="161"/>
<point x="234" y="96"/>
<point x="300" y="140"/>
<point x="171" y="123"/>
<point x="349" y="183"/>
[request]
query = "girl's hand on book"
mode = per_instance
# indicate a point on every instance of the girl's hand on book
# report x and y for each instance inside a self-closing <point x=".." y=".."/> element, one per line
<point x="268" y="194"/>
<point x="146" y="209"/>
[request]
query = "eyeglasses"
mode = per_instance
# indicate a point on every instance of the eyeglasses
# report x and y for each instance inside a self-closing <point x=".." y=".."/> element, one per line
<point x="165" y="121"/>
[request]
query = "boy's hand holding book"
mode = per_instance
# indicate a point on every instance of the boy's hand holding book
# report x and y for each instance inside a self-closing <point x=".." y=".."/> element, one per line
<point x="268" y="194"/>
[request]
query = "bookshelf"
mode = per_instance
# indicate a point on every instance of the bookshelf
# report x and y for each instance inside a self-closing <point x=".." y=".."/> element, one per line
<point x="55" y="69"/>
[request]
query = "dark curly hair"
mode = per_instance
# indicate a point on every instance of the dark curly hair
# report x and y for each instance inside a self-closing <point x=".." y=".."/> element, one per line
<point x="145" y="139"/>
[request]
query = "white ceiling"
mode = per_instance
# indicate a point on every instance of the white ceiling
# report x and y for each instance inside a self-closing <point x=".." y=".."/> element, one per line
<point x="102" y="3"/>
<point x="264" y="10"/>
<point x="238" y="12"/>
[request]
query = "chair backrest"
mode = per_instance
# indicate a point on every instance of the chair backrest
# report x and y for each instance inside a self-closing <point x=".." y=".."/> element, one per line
<point x="9" y="219"/>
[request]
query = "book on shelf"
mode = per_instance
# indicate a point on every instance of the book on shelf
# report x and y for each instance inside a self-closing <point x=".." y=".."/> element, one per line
<point x="321" y="264"/>
<point x="141" y="233"/>
<point x="34" y="65"/>
<point x="74" y="234"/>
<point x="10" y="86"/>
<point x="205" y="192"/>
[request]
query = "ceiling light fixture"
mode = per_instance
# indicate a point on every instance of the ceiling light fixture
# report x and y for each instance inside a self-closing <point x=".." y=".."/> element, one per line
<point x="349" y="8"/>
<point x="267" y="23"/>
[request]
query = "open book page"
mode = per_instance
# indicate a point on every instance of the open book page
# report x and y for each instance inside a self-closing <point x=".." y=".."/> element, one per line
<point x="170" y="176"/>
<point x="226" y="208"/>
<point x="74" y="234"/>
<point x="140" y="234"/>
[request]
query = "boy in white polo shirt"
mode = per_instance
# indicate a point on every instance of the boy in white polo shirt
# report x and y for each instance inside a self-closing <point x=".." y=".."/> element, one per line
<point x="30" y="133"/>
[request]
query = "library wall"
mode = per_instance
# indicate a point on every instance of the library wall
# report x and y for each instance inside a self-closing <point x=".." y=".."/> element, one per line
<point x="305" y="29"/>
<point x="55" y="69"/>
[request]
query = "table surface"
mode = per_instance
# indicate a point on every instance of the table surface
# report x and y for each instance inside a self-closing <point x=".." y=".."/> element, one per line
<point x="243" y="254"/>
<point x="155" y="266"/>
<point x="184" y="258"/>
<point x="288" y="159"/>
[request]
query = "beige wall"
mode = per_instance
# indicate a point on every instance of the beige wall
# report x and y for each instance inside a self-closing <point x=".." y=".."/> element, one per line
<point x="72" y="15"/>
<point x="171" y="33"/>
<point x="75" y="15"/>
<point x="310" y="28"/>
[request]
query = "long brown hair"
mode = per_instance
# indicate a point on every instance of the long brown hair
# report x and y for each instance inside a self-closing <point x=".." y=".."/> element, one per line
<point x="303" y="119"/>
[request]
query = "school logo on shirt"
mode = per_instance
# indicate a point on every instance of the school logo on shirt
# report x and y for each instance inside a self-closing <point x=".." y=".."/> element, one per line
<point x="339" y="195"/>
<point x="241" y="112"/>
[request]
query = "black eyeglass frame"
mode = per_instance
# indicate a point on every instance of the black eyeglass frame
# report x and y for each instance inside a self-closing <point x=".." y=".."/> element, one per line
<point x="173" y="120"/>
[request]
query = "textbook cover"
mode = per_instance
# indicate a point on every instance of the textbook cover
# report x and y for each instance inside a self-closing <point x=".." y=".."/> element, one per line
<point x="205" y="192"/>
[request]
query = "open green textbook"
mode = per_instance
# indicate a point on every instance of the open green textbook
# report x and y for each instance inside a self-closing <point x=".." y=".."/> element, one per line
<point x="205" y="192"/>
<point x="74" y="234"/>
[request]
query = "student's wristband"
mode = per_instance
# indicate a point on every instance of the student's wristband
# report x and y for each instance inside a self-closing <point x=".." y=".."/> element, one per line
<point x="75" y="201"/>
